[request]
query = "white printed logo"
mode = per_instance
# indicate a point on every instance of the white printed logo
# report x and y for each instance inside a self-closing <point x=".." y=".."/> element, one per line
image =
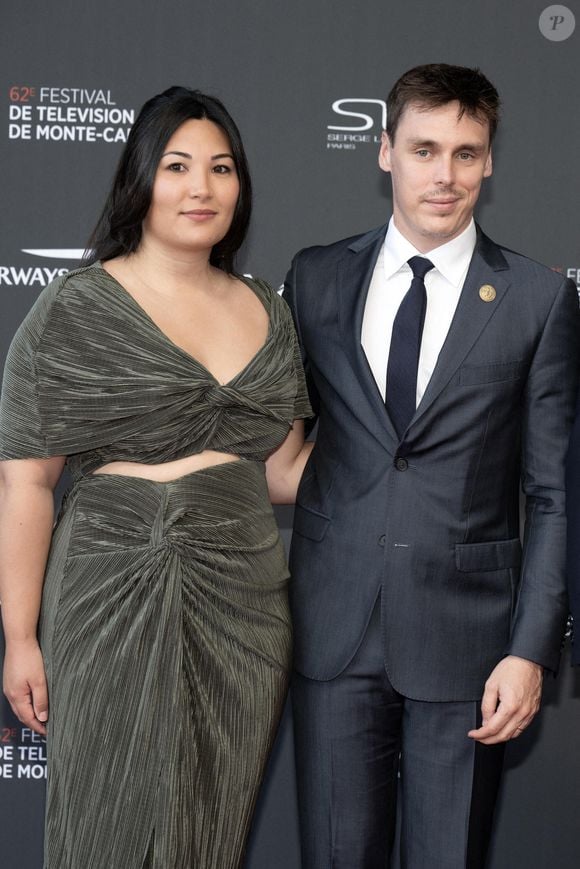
<point x="356" y="127"/>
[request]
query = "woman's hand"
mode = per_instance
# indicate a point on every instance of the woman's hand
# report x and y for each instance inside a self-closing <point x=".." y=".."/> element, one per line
<point x="25" y="684"/>
<point x="26" y="519"/>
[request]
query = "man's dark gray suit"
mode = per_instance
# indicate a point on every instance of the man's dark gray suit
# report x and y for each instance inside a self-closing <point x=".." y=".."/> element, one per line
<point x="429" y="523"/>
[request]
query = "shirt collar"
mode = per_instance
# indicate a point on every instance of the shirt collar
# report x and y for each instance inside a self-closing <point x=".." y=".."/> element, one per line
<point x="450" y="259"/>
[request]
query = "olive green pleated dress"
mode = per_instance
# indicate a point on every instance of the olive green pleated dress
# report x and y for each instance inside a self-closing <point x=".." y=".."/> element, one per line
<point x="164" y="622"/>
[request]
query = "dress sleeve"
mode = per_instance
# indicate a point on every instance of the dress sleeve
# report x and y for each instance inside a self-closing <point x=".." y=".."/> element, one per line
<point x="302" y="407"/>
<point x="21" y="430"/>
<point x="282" y="317"/>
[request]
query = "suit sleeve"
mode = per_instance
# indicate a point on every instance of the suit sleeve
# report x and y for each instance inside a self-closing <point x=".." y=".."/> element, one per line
<point x="573" y="535"/>
<point x="291" y="293"/>
<point x="548" y="409"/>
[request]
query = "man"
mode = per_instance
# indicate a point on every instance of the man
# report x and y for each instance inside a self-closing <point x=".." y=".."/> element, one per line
<point x="421" y="631"/>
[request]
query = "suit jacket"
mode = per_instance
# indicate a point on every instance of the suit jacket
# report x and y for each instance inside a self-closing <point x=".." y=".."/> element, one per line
<point x="431" y="521"/>
<point x="573" y="510"/>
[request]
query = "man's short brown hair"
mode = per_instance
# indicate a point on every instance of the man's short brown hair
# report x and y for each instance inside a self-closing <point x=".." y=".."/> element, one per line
<point x="436" y="84"/>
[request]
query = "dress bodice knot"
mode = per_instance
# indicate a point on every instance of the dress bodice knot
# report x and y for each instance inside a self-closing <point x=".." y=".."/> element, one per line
<point x="90" y="376"/>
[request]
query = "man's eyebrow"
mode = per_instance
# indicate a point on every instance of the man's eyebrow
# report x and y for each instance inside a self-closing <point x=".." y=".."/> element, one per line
<point x="424" y="143"/>
<point x="476" y="147"/>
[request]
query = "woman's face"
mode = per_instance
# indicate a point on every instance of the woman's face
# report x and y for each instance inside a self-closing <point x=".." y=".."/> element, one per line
<point x="195" y="190"/>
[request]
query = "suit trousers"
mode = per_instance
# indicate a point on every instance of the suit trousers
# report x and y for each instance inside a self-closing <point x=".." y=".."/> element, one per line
<point x="356" y="736"/>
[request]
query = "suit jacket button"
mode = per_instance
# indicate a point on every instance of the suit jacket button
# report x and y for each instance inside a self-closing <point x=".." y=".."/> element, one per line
<point x="382" y="540"/>
<point x="401" y="464"/>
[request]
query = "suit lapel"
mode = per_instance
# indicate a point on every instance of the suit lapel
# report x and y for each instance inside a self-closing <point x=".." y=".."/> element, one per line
<point x="471" y="316"/>
<point x="354" y="274"/>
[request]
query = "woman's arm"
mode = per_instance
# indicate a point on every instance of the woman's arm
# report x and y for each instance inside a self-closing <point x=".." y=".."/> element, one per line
<point x="286" y="464"/>
<point x="26" y="521"/>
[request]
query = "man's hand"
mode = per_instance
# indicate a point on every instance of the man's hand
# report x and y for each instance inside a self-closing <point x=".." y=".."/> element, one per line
<point x="510" y="700"/>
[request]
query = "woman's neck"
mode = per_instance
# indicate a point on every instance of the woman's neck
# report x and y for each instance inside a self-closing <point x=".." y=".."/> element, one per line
<point x="175" y="273"/>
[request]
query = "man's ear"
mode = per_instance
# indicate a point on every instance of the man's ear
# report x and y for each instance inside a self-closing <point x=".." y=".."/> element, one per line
<point x="488" y="169"/>
<point x="385" y="152"/>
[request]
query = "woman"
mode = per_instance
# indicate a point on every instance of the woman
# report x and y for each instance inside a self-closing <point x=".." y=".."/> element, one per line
<point x="163" y="380"/>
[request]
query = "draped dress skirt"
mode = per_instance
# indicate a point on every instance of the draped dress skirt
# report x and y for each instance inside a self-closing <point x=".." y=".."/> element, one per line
<point x="166" y="635"/>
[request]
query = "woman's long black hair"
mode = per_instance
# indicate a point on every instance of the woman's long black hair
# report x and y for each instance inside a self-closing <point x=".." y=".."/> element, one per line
<point x="118" y="230"/>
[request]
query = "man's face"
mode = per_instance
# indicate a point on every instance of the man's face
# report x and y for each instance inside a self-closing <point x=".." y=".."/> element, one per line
<point x="437" y="164"/>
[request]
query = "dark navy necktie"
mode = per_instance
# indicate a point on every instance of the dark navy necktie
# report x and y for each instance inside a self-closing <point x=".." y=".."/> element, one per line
<point x="403" y="361"/>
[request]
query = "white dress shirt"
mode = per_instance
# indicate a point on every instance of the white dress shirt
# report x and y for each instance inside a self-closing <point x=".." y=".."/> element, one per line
<point x="392" y="278"/>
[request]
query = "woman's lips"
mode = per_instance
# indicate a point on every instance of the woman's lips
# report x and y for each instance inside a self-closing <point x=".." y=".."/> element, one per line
<point x="199" y="215"/>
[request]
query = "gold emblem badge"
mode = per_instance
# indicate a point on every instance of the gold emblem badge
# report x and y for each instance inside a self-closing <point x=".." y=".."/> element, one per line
<point x="487" y="293"/>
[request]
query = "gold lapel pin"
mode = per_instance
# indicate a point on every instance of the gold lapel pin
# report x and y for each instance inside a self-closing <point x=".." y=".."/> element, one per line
<point x="487" y="293"/>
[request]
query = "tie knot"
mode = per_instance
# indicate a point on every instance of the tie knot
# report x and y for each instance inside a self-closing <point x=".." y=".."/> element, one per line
<point x="420" y="266"/>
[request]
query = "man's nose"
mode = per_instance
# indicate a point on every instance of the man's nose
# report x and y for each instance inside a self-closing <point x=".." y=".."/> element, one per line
<point x="444" y="171"/>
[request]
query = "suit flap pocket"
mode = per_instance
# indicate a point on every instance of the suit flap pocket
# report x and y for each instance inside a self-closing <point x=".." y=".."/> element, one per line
<point x="472" y="375"/>
<point x="310" y="524"/>
<point x="497" y="555"/>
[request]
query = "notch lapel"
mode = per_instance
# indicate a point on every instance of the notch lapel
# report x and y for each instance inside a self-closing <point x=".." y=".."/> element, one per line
<point x="354" y="274"/>
<point x="471" y="316"/>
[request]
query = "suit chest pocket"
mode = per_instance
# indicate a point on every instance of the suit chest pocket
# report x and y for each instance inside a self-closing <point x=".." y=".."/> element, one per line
<point x="479" y="375"/>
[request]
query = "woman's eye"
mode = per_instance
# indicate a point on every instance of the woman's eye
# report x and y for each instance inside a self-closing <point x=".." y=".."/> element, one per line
<point x="222" y="169"/>
<point x="176" y="167"/>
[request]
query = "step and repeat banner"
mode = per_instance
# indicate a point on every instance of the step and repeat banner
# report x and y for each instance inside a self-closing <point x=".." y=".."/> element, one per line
<point x="307" y="83"/>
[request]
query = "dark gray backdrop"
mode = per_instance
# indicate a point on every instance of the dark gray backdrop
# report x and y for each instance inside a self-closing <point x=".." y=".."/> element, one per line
<point x="280" y="67"/>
